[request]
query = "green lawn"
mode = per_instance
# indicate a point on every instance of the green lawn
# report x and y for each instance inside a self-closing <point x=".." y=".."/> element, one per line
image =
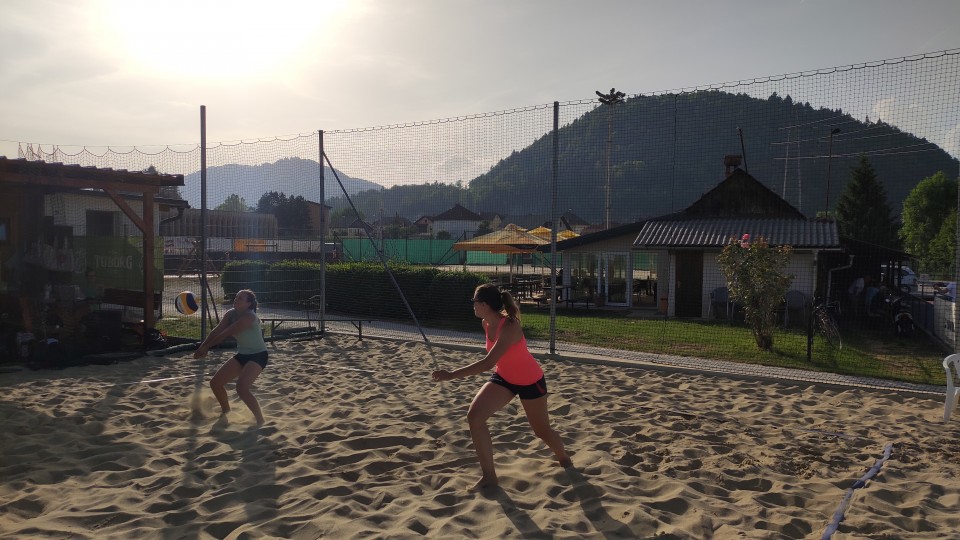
<point x="872" y="352"/>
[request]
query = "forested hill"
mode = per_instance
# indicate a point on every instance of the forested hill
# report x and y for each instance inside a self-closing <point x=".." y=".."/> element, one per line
<point x="668" y="150"/>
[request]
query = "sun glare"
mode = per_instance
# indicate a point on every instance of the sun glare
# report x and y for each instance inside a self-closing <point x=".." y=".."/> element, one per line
<point x="216" y="40"/>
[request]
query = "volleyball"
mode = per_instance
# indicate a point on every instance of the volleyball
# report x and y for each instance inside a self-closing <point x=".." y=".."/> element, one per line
<point x="186" y="303"/>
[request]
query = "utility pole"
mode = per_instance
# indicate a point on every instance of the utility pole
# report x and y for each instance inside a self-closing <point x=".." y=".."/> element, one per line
<point x="834" y="131"/>
<point x="611" y="99"/>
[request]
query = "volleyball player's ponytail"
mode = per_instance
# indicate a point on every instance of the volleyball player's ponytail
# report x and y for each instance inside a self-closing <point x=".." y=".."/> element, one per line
<point x="510" y="305"/>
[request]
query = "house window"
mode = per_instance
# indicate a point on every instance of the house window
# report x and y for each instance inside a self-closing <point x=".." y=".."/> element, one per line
<point x="101" y="223"/>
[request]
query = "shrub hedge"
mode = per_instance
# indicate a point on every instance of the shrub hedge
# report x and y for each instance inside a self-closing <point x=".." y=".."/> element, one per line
<point x="239" y="275"/>
<point x="359" y="288"/>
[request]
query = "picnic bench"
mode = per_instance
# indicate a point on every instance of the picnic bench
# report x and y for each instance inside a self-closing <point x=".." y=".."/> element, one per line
<point x="563" y="297"/>
<point x="311" y="305"/>
<point x="277" y="322"/>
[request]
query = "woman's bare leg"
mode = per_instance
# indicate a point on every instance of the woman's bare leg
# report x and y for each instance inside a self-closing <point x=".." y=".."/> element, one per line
<point x="539" y="419"/>
<point x="229" y="371"/>
<point x="490" y="399"/>
<point x="249" y="373"/>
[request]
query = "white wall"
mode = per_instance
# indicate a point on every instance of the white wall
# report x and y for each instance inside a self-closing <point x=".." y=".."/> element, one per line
<point x="71" y="209"/>
<point x="944" y="322"/>
<point x="801" y="266"/>
<point x="457" y="228"/>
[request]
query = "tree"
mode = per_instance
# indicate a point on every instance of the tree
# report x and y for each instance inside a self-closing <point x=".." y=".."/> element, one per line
<point x="234" y="203"/>
<point x="863" y="212"/>
<point x="169" y="192"/>
<point x="943" y="248"/>
<point x="755" y="277"/>
<point x="345" y="212"/>
<point x="483" y="228"/>
<point x="397" y="230"/>
<point x="293" y="219"/>
<point x="292" y="213"/>
<point x="924" y="211"/>
<point x="270" y="201"/>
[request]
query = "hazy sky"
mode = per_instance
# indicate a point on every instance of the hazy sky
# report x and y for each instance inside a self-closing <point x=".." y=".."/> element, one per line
<point x="132" y="72"/>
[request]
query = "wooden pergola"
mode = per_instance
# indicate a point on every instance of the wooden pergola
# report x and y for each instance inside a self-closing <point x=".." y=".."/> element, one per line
<point x="55" y="177"/>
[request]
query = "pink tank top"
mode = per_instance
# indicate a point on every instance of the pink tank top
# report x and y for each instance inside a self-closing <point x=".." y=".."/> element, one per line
<point x="516" y="366"/>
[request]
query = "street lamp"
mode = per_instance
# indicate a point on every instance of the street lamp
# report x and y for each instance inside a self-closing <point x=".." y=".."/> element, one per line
<point x="611" y="99"/>
<point x="833" y="132"/>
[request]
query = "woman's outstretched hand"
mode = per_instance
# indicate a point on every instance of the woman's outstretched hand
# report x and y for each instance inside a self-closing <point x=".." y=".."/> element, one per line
<point x="442" y="375"/>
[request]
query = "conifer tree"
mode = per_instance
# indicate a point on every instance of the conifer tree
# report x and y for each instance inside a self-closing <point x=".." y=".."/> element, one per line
<point x="863" y="212"/>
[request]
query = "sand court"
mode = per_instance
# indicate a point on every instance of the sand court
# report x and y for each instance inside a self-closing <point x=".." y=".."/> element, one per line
<point x="359" y="443"/>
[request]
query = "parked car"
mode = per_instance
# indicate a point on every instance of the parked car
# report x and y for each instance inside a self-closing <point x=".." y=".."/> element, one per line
<point x="906" y="279"/>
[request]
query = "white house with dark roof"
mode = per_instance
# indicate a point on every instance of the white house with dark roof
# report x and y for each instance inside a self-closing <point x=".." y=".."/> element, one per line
<point x="573" y="222"/>
<point x="689" y="242"/>
<point x="459" y="222"/>
<point x="350" y="227"/>
<point x="669" y="263"/>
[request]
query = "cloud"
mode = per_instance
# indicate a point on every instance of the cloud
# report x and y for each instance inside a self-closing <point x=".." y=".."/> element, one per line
<point x="910" y="116"/>
<point x="451" y="166"/>
<point x="951" y="141"/>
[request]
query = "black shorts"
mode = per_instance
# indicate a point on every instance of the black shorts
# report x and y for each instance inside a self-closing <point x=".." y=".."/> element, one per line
<point x="257" y="358"/>
<point x="530" y="391"/>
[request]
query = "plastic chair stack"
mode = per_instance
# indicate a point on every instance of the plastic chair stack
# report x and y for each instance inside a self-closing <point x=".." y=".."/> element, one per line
<point x="796" y="301"/>
<point x="953" y="391"/>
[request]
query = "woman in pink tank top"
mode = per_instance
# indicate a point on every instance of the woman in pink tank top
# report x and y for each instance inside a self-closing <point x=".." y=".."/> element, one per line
<point x="516" y="373"/>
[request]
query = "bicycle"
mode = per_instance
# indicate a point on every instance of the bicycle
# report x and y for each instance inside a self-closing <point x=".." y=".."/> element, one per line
<point x="826" y="323"/>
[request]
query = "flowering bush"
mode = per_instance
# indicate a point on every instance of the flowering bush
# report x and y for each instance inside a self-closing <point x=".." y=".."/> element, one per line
<point x="756" y="280"/>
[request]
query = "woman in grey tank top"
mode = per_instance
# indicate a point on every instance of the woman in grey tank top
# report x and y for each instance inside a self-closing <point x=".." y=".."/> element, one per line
<point x="242" y="323"/>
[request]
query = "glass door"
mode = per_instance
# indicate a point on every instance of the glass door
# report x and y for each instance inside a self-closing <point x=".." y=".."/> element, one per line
<point x="615" y="278"/>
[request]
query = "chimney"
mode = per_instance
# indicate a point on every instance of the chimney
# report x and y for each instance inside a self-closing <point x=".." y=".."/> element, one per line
<point x="731" y="162"/>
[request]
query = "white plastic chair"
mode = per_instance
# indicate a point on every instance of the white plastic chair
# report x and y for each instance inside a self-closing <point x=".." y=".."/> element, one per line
<point x="950" y="403"/>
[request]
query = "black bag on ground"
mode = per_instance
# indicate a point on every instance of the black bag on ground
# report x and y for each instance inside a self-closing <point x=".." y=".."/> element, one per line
<point x="153" y="339"/>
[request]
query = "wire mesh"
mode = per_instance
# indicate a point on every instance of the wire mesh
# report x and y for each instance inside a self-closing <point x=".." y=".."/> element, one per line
<point x="409" y="193"/>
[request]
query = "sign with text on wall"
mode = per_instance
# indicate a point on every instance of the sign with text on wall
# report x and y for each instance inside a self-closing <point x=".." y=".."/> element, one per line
<point x="119" y="261"/>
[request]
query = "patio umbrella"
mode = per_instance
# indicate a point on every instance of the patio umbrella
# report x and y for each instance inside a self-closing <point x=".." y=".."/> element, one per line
<point x="541" y="231"/>
<point x="544" y="233"/>
<point x="510" y="239"/>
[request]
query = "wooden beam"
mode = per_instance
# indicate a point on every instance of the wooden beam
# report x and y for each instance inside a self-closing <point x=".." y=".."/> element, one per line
<point x="77" y="183"/>
<point x="129" y="211"/>
<point x="148" y="243"/>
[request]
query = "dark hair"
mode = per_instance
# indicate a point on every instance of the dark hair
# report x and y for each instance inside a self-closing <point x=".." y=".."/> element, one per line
<point x="251" y="297"/>
<point x="498" y="300"/>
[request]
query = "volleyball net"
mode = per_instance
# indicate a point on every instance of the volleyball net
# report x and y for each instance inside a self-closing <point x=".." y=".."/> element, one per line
<point x="606" y="218"/>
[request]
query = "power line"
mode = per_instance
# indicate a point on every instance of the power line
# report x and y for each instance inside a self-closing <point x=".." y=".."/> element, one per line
<point x="818" y="122"/>
<point x="845" y="139"/>
<point x="875" y="153"/>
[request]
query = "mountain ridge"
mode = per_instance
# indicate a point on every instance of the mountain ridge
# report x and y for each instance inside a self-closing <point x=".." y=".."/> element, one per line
<point x="291" y="176"/>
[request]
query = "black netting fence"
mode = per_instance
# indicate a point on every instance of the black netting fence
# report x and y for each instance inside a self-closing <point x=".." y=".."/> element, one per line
<point x="805" y="220"/>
